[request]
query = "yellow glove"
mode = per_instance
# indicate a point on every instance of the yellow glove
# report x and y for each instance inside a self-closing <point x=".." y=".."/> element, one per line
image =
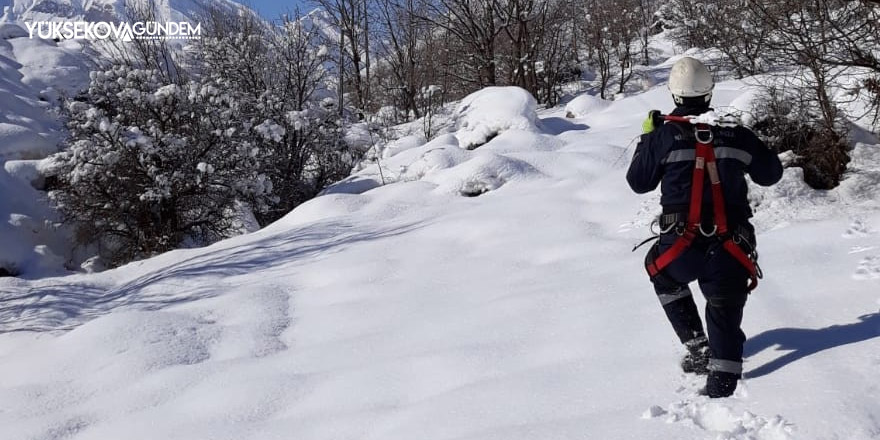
<point x="651" y="122"/>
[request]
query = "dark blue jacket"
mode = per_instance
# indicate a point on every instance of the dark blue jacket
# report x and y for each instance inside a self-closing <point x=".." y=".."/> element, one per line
<point x="666" y="156"/>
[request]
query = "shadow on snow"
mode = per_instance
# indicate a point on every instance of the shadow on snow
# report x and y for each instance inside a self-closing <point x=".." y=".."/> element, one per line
<point x="64" y="306"/>
<point x="803" y="342"/>
<point x="556" y="126"/>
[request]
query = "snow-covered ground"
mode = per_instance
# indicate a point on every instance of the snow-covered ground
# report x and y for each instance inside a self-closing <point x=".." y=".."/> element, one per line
<point x="484" y="294"/>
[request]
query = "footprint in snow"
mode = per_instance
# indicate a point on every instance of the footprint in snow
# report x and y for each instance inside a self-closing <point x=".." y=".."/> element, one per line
<point x="720" y="417"/>
<point x="868" y="269"/>
<point x="722" y="421"/>
<point x="860" y="249"/>
<point x="643" y="218"/>
<point x="856" y="229"/>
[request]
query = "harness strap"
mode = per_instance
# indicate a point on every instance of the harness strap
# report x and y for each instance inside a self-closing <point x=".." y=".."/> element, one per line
<point x="705" y="163"/>
<point x="743" y="259"/>
<point x="717" y="194"/>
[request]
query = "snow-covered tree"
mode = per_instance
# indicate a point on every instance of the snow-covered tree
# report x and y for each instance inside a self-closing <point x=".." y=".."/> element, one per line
<point x="610" y="33"/>
<point x="282" y="72"/>
<point x="150" y="166"/>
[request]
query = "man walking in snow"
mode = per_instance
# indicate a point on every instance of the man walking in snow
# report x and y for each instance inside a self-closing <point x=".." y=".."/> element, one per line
<point x="668" y="155"/>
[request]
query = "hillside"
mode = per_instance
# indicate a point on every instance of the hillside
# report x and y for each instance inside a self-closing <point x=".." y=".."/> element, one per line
<point x="410" y="311"/>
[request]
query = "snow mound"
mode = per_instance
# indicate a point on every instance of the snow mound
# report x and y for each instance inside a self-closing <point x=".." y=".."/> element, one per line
<point x="28" y="171"/>
<point x="792" y="200"/>
<point x="403" y="144"/>
<point x="862" y="178"/>
<point x="441" y="166"/>
<point x="484" y="114"/>
<point x="485" y="172"/>
<point x="322" y="208"/>
<point x="584" y="105"/>
<point x="743" y="105"/>
<point x="454" y="170"/>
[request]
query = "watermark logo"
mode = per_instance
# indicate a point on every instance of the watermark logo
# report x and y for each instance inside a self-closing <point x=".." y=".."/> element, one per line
<point x="101" y="30"/>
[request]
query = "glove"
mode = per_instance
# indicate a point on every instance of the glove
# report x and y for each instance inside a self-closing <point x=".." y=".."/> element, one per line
<point x="652" y="121"/>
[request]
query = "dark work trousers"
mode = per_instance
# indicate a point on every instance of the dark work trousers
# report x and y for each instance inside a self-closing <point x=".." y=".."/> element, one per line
<point x="723" y="281"/>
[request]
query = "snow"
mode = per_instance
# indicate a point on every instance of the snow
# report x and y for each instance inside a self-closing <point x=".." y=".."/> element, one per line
<point x="51" y="68"/>
<point x="269" y="130"/>
<point x="31" y="242"/>
<point x="32" y="74"/>
<point x="403" y="144"/>
<point x="484" y="114"/>
<point x="413" y="311"/>
<point x="585" y="104"/>
<point x="713" y="118"/>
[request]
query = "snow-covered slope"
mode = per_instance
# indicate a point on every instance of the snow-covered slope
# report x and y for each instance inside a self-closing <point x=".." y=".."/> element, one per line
<point x="33" y="73"/>
<point x="411" y="311"/>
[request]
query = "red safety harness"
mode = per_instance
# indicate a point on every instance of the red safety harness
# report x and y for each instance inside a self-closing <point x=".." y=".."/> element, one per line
<point x="705" y="163"/>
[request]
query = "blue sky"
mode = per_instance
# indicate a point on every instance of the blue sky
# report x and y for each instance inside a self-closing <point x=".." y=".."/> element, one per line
<point x="272" y="8"/>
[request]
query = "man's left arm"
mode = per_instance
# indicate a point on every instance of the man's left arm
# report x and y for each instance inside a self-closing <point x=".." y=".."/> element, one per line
<point x="765" y="168"/>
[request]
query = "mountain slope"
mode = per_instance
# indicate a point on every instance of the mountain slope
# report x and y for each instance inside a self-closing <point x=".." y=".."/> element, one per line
<point x="411" y="311"/>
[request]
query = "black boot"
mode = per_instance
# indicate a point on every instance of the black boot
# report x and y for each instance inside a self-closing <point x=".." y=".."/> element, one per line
<point x="721" y="384"/>
<point x="697" y="358"/>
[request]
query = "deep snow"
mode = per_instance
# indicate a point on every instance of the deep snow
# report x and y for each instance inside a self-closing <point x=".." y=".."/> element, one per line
<point x="410" y="311"/>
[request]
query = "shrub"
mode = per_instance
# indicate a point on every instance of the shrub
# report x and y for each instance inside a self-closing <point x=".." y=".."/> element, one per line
<point x="149" y="166"/>
<point x="786" y="124"/>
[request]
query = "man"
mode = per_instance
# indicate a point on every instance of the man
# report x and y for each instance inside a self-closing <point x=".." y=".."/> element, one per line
<point x="666" y="155"/>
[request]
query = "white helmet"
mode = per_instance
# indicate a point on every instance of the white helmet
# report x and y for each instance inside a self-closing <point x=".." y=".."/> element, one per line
<point x="690" y="78"/>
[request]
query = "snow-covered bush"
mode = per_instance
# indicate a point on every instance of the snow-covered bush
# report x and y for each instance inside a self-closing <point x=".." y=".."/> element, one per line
<point x="240" y="127"/>
<point x="585" y="104"/>
<point x="484" y="114"/>
<point x="282" y="72"/>
<point x="149" y="165"/>
<point x="787" y="123"/>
